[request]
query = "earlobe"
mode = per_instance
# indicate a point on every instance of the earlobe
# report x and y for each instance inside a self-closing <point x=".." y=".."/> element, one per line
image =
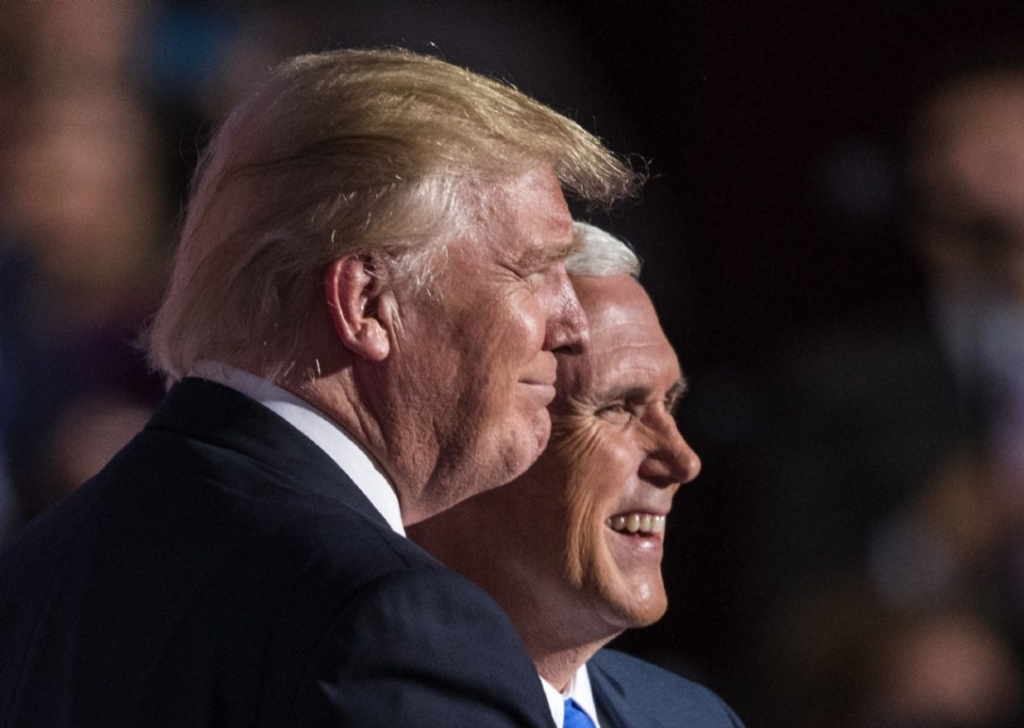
<point x="354" y="294"/>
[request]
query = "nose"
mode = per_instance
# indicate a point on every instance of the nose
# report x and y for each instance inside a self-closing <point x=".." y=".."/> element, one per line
<point x="670" y="459"/>
<point x="567" y="329"/>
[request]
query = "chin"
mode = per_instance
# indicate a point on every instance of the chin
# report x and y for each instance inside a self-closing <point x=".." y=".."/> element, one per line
<point x="526" y="444"/>
<point x="640" y="617"/>
<point x="630" y="612"/>
<point x="649" y="615"/>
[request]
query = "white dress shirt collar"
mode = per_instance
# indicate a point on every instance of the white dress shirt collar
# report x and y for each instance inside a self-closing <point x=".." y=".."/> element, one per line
<point x="579" y="690"/>
<point x="317" y="427"/>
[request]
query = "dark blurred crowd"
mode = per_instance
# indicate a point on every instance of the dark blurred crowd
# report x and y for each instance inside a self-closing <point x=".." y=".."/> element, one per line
<point x="102" y="105"/>
<point x="893" y="469"/>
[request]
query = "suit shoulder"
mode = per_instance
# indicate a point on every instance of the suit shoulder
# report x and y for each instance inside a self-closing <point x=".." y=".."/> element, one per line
<point x="636" y="683"/>
<point x="421" y="647"/>
<point x="629" y="669"/>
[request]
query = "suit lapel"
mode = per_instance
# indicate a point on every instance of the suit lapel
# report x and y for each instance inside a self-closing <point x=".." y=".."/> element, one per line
<point x="608" y="698"/>
<point x="218" y="415"/>
<point x="613" y="707"/>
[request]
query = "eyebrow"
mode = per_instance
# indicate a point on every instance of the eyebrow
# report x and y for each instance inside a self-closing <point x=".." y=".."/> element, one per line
<point x="675" y="394"/>
<point x="541" y="257"/>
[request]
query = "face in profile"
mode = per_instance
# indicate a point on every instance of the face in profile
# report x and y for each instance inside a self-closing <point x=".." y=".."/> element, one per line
<point x="476" y="363"/>
<point x="573" y="548"/>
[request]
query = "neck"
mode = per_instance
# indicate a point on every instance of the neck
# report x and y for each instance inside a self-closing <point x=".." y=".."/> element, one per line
<point x="332" y="394"/>
<point x="338" y="393"/>
<point x="558" y="645"/>
<point x="559" y="666"/>
<point x="560" y="629"/>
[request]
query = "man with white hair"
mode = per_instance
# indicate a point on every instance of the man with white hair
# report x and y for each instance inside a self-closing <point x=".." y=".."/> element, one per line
<point x="572" y="548"/>
<point x="360" y="331"/>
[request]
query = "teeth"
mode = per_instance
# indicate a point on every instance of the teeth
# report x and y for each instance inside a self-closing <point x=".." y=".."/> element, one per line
<point x="637" y="523"/>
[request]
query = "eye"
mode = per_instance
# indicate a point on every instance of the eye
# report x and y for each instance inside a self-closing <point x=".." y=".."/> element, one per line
<point x="537" y="276"/>
<point x="548" y="269"/>
<point x="516" y="271"/>
<point x="530" y="276"/>
<point x="617" y="412"/>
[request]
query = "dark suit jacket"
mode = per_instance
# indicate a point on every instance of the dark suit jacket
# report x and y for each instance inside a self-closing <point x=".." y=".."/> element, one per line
<point x="631" y="693"/>
<point x="223" y="571"/>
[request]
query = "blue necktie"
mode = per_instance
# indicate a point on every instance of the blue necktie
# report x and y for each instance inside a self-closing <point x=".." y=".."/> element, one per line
<point x="575" y="717"/>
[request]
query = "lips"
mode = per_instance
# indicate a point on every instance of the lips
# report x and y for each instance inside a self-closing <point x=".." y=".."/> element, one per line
<point x="637" y="523"/>
<point x="544" y="390"/>
<point x="541" y="374"/>
<point x="546" y="383"/>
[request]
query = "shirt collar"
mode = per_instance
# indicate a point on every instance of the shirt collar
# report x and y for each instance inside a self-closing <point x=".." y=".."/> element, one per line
<point x="317" y="427"/>
<point x="579" y="690"/>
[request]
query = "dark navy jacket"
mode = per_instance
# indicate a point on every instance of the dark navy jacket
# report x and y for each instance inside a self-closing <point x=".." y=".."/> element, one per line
<point x="223" y="571"/>
<point x="631" y="693"/>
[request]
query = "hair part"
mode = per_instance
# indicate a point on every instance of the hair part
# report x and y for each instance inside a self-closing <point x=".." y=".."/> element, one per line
<point x="382" y="153"/>
<point x="599" y="253"/>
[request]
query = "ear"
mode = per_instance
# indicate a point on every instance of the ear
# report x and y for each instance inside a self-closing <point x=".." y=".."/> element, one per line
<point x="354" y="290"/>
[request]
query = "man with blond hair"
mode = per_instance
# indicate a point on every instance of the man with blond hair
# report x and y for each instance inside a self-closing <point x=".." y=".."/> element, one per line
<point x="360" y="331"/>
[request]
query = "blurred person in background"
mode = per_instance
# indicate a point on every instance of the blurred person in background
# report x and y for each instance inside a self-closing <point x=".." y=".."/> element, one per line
<point x="901" y="447"/>
<point x="84" y="230"/>
<point x="102" y="99"/>
<point x="359" y="332"/>
<point x="82" y="210"/>
<point x="572" y="548"/>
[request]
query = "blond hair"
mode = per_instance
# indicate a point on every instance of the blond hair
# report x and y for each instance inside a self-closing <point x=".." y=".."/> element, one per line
<point x="384" y="153"/>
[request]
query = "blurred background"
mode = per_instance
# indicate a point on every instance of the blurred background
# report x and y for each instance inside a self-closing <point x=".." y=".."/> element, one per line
<point x="833" y="233"/>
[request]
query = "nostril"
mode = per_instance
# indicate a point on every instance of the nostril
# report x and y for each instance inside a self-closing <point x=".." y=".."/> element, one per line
<point x="570" y="334"/>
<point x="671" y="462"/>
<point x="573" y="343"/>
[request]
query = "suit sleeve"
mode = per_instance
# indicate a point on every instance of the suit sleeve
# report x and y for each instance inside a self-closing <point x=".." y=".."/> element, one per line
<point x="421" y="648"/>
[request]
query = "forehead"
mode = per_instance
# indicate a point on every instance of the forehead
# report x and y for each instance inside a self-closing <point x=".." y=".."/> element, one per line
<point x="525" y="219"/>
<point x="627" y="344"/>
<point x="533" y="206"/>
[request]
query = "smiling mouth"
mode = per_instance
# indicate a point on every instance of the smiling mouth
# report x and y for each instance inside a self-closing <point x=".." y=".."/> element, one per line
<point x="637" y="524"/>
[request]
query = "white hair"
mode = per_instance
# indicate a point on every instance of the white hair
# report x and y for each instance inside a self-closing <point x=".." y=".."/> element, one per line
<point x="599" y="253"/>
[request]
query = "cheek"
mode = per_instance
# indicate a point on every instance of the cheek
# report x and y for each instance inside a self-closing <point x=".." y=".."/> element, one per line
<point x="504" y="334"/>
<point x="581" y="535"/>
<point x="527" y="313"/>
<point x="589" y="488"/>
